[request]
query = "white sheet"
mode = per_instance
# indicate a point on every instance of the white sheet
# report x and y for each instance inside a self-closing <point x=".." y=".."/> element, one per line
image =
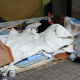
<point x="3" y="38"/>
<point x="29" y="43"/>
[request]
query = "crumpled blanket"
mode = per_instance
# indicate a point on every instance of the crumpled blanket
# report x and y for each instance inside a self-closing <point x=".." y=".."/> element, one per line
<point x="71" y="26"/>
<point x="29" y="42"/>
<point x="74" y="28"/>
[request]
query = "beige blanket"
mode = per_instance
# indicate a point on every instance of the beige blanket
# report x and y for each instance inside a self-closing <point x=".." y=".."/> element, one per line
<point x="5" y="55"/>
<point x="74" y="29"/>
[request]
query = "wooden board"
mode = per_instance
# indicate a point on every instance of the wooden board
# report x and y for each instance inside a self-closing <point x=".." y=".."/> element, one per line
<point x="61" y="56"/>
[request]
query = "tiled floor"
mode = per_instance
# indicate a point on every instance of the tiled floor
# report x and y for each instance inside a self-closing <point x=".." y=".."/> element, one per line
<point x="63" y="70"/>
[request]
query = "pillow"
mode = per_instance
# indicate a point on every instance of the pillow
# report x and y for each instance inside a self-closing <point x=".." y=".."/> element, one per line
<point x="34" y="25"/>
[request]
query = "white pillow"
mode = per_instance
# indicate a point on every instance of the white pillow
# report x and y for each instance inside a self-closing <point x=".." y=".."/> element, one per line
<point x="34" y="25"/>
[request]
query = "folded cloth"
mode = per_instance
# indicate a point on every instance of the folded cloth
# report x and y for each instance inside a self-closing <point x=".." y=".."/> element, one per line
<point x="4" y="32"/>
<point x="47" y="55"/>
<point x="5" y="55"/>
<point x="3" y="38"/>
<point x="2" y="29"/>
<point x="34" y="57"/>
<point x="8" y="69"/>
<point x="75" y="20"/>
<point x="71" y="26"/>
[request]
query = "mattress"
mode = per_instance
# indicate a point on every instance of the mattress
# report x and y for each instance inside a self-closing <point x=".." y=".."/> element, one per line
<point x="36" y="65"/>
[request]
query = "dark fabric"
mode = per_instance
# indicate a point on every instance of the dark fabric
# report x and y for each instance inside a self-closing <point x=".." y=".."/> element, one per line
<point x="57" y="19"/>
<point x="77" y="60"/>
<point x="44" y="25"/>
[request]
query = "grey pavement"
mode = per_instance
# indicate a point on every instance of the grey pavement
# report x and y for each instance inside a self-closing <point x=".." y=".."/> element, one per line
<point x="62" y="70"/>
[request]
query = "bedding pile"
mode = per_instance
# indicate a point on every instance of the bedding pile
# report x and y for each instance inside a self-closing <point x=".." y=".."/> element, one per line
<point x="73" y="26"/>
<point x="29" y="42"/>
<point x="32" y="47"/>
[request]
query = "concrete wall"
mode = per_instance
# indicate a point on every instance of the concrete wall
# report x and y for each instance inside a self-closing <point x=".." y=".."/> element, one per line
<point x="76" y="9"/>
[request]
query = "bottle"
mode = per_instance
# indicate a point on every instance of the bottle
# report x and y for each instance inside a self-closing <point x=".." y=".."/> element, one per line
<point x="49" y="18"/>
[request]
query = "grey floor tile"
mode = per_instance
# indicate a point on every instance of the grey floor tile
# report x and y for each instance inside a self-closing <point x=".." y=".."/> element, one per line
<point x="66" y="70"/>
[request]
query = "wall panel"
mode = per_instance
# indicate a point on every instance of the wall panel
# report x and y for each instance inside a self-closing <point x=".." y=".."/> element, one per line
<point x="12" y="10"/>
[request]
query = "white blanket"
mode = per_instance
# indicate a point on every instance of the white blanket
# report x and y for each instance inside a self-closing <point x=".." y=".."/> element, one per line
<point x="29" y="42"/>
